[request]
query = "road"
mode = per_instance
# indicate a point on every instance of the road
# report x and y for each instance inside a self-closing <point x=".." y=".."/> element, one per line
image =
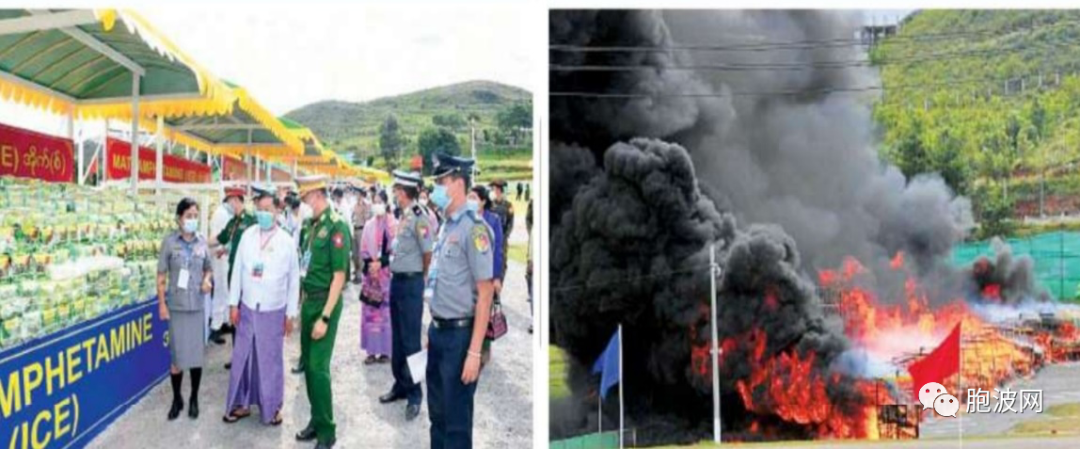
<point x="503" y="414"/>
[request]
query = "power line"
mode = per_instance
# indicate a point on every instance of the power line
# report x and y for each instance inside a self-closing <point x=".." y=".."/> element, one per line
<point x="812" y="65"/>
<point x="795" y="45"/>
<point x="822" y="91"/>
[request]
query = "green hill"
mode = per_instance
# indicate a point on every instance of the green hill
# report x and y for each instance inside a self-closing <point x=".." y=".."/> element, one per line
<point x="353" y="128"/>
<point x="990" y="99"/>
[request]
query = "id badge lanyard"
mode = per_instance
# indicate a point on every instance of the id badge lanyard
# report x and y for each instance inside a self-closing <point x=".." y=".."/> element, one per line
<point x="433" y="271"/>
<point x="183" y="279"/>
<point x="260" y="264"/>
<point x="305" y="261"/>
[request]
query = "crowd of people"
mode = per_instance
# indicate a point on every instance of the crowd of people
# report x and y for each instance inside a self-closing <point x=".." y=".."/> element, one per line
<point x="260" y="274"/>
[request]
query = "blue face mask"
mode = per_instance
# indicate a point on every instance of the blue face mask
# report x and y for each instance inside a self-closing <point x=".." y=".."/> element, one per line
<point x="191" y="225"/>
<point x="472" y="205"/>
<point x="439" y="197"/>
<point x="265" y="220"/>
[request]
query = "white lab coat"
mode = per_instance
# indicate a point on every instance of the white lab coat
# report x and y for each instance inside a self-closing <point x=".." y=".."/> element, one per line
<point x="219" y="304"/>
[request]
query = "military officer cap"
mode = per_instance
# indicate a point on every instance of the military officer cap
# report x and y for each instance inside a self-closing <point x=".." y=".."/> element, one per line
<point x="446" y="164"/>
<point x="261" y="191"/>
<point x="237" y="191"/>
<point x="308" y="184"/>
<point x="407" y="179"/>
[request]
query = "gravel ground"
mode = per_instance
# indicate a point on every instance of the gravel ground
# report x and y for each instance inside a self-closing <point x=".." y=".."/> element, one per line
<point x="504" y="410"/>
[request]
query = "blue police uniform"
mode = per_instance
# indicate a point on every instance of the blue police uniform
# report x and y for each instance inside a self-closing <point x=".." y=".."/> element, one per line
<point x="462" y="257"/>
<point x="414" y="239"/>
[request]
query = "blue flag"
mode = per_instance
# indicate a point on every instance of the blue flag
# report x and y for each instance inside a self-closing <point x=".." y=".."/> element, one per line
<point x="607" y="366"/>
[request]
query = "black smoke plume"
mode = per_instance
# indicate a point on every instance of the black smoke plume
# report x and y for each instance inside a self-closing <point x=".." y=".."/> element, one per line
<point x="774" y="168"/>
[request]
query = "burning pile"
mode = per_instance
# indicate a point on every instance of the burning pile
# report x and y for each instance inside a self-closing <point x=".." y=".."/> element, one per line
<point x="645" y="185"/>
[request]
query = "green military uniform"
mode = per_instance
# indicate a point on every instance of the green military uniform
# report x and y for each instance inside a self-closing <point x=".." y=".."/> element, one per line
<point x="325" y="247"/>
<point x="231" y="235"/>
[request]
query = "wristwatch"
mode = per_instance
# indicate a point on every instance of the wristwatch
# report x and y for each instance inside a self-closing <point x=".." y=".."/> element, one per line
<point x="325" y="319"/>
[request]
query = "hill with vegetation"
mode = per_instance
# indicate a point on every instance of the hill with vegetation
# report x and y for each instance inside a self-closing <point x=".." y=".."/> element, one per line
<point x="991" y="100"/>
<point x="428" y="120"/>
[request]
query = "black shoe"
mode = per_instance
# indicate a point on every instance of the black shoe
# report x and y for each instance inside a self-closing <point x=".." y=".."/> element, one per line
<point x="326" y="445"/>
<point x="193" y="408"/>
<point x="392" y="396"/>
<point x="174" y="411"/>
<point x="307" y="434"/>
<point x="216" y="336"/>
<point x="228" y="366"/>
<point x="412" y="411"/>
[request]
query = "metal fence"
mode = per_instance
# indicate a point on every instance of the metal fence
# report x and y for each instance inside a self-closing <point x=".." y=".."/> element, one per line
<point x="1055" y="255"/>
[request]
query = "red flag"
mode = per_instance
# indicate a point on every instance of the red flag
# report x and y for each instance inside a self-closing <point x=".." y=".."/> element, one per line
<point x="943" y="362"/>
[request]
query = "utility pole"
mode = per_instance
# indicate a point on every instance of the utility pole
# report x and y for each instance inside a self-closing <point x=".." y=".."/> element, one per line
<point x="714" y="272"/>
<point x="472" y="144"/>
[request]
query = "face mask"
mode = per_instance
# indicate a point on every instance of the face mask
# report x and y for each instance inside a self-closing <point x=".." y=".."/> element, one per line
<point x="265" y="219"/>
<point x="191" y="225"/>
<point x="472" y="205"/>
<point x="423" y="202"/>
<point x="439" y="197"/>
<point x="379" y="209"/>
<point x="306" y="212"/>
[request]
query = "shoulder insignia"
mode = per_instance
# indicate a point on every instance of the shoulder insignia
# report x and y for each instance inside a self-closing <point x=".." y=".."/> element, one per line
<point x="322" y="233"/>
<point x="423" y="226"/>
<point x="339" y="240"/>
<point x="417" y="210"/>
<point x="480" y="238"/>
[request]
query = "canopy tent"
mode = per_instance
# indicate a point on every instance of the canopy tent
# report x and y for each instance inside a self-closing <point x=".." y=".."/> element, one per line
<point x="319" y="159"/>
<point x="80" y="64"/>
<point x="247" y="129"/>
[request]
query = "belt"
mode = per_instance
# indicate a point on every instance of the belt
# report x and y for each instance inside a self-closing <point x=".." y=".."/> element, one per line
<point x="456" y="323"/>
<point x="409" y="275"/>
<point x="317" y="296"/>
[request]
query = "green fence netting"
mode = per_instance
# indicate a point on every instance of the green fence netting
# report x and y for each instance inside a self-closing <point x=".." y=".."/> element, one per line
<point x="1056" y="256"/>
<point x="606" y="440"/>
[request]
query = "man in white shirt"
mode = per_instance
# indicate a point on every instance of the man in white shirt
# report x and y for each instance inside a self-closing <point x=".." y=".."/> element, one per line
<point x="264" y="301"/>
<point x="219" y="308"/>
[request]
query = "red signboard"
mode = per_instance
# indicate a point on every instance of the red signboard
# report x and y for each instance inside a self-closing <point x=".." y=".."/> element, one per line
<point x="27" y="154"/>
<point x="280" y="176"/>
<point x="234" y="170"/>
<point x="177" y="169"/>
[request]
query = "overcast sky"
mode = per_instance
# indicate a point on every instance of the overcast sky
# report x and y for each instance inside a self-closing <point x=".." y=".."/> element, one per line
<point x="291" y="56"/>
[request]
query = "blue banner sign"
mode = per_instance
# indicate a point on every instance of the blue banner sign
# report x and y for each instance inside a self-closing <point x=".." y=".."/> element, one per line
<point x="60" y="390"/>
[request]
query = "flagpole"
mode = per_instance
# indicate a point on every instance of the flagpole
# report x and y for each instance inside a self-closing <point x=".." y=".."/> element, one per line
<point x="600" y="411"/>
<point x="960" y="379"/>
<point x="621" y="388"/>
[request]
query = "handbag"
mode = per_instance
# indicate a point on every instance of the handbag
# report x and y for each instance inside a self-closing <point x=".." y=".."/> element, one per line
<point x="497" y="325"/>
<point x="371" y="293"/>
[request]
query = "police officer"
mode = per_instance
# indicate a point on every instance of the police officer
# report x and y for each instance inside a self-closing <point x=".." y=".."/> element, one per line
<point x="460" y="292"/>
<point x="325" y="243"/>
<point x="411" y="257"/>
<point x="502" y="206"/>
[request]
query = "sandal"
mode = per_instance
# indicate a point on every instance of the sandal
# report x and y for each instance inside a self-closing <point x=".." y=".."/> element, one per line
<point x="383" y="359"/>
<point x="371" y="360"/>
<point x="235" y="416"/>
<point x="277" y="419"/>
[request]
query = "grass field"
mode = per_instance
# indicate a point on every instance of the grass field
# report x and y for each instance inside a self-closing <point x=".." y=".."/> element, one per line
<point x="1061" y="419"/>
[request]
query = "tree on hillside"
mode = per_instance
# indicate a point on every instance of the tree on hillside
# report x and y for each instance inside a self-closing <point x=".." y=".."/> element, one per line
<point x="433" y="140"/>
<point x="391" y="142"/>
<point x="514" y="119"/>
<point x="452" y="121"/>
